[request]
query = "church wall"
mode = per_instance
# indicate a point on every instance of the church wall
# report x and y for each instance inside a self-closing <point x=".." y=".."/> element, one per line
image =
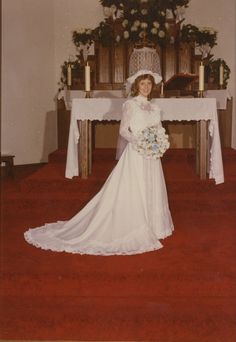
<point x="28" y="128"/>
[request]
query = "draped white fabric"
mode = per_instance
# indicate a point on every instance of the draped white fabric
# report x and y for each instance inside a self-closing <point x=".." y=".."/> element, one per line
<point x="221" y="96"/>
<point x="130" y="213"/>
<point x="172" y="109"/>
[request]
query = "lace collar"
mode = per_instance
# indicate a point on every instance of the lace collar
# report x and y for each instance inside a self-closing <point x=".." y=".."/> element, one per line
<point x="141" y="99"/>
<point x="143" y="103"/>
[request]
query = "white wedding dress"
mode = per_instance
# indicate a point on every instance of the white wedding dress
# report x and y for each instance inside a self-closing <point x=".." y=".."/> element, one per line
<point x="130" y="213"/>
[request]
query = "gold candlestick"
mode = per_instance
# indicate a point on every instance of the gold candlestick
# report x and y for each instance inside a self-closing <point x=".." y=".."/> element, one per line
<point x="200" y="93"/>
<point x="87" y="94"/>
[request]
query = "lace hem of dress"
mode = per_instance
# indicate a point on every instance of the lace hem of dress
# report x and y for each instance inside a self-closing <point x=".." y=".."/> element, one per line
<point x="125" y="247"/>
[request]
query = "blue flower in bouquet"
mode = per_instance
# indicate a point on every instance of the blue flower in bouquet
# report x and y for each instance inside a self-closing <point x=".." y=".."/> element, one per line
<point x="155" y="147"/>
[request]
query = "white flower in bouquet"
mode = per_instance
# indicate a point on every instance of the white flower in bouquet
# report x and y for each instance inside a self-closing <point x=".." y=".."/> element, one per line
<point x="152" y="142"/>
<point x="154" y="30"/>
<point x="142" y="34"/>
<point x="161" y="34"/>
<point x="118" y="38"/>
<point x="133" y="11"/>
<point x="156" y="24"/>
<point x="144" y="25"/>
<point x="126" y="34"/>
<point x="133" y="28"/>
<point x="144" y="11"/>
<point x="125" y="23"/>
<point x="136" y="22"/>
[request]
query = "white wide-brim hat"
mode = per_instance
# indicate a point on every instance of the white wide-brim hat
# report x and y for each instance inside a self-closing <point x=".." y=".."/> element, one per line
<point x="131" y="79"/>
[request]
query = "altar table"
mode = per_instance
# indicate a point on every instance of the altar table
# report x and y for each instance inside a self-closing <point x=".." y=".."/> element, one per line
<point x="201" y="110"/>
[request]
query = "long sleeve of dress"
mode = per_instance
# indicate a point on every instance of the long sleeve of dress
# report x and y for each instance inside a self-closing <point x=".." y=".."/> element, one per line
<point x="125" y="129"/>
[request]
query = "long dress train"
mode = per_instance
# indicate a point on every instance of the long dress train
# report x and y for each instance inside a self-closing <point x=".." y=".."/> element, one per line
<point x="130" y="213"/>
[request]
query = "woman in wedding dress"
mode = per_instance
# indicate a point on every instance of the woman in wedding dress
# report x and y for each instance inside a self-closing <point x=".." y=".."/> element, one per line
<point x="130" y="213"/>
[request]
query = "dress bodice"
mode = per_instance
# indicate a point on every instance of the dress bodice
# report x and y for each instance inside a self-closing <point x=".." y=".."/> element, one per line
<point x="138" y="113"/>
<point x="145" y="114"/>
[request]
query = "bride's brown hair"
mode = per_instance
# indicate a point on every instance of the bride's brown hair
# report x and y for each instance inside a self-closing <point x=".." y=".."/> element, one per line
<point x="135" y="85"/>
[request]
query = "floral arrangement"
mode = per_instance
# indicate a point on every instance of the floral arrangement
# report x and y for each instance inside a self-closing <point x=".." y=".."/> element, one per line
<point x="83" y="36"/>
<point x="204" y="38"/>
<point x="192" y="34"/>
<point x="134" y="21"/>
<point x="188" y="33"/>
<point x="152" y="142"/>
<point x="113" y="8"/>
<point x="213" y="70"/>
<point x="144" y="20"/>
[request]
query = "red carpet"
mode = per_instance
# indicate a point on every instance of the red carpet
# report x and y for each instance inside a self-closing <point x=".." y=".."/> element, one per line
<point x="185" y="292"/>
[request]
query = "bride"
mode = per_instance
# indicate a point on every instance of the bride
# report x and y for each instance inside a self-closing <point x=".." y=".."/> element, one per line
<point x="130" y="214"/>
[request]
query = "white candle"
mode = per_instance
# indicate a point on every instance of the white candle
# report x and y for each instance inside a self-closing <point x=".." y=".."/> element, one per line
<point x="221" y="71"/>
<point x="69" y="75"/>
<point x="162" y="88"/>
<point x="201" y="76"/>
<point x="87" y="77"/>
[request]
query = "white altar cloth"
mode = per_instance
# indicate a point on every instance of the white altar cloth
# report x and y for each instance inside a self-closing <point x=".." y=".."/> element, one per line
<point x="68" y="95"/>
<point x="221" y="96"/>
<point x="172" y="109"/>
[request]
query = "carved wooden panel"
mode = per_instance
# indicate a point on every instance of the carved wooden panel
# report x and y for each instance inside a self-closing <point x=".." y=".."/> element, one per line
<point x="119" y="64"/>
<point x="169" y="61"/>
<point x="103" y="65"/>
<point x="185" y="58"/>
<point x="111" y="66"/>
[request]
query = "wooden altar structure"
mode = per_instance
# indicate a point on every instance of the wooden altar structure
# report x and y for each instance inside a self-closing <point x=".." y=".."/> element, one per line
<point x="110" y="69"/>
<point x="110" y="65"/>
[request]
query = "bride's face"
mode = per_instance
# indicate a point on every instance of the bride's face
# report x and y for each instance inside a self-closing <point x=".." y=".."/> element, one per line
<point x="145" y="87"/>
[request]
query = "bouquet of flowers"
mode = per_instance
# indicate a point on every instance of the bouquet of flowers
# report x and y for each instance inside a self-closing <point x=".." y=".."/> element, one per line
<point x="152" y="142"/>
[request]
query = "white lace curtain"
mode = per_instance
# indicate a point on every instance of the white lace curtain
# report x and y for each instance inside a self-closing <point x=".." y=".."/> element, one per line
<point x="144" y="58"/>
